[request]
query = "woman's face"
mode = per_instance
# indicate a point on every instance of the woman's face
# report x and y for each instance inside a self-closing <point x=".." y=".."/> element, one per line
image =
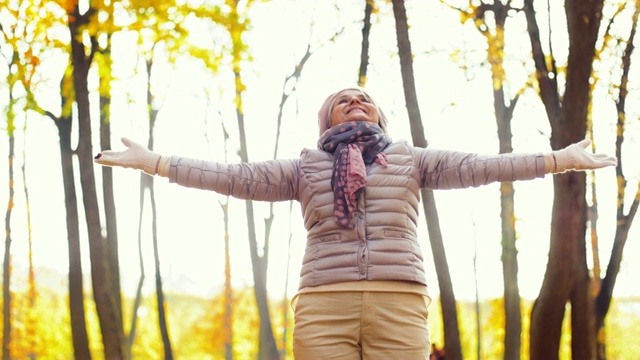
<point x="353" y="105"/>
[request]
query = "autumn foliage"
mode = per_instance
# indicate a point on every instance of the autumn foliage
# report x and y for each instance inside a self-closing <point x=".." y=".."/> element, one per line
<point x="73" y="64"/>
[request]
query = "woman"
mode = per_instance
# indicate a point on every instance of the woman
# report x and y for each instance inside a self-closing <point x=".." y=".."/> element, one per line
<point x="363" y="292"/>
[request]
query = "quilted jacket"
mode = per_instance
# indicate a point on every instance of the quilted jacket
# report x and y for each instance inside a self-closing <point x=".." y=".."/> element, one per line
<point x="383" y="244"/>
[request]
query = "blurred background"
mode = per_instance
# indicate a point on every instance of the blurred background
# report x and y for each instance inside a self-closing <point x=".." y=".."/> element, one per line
<point x="91" y="252"/>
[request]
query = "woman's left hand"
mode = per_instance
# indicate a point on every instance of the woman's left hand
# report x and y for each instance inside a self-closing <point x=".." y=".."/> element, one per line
<point x="575" y="157"/>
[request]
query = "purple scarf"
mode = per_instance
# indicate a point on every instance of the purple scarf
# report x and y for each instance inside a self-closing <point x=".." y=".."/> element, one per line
<point x="354" y="144"/>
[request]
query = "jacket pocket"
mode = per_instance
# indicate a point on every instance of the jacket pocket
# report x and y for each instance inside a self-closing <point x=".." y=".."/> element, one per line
<point x="396" y="234"/>
<point x="330" y="238"/>
<point x="399" y="234"/>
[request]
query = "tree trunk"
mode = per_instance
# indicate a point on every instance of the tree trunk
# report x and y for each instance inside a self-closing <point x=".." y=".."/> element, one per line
<point x="107" y="180"/>
<point x="268" y="349"/>
<point x="6" y="266"/>
<point x="228" y="292"/>
<point x="364" y="52"/>
<point x="77" y="311"/>
<point x="286" y="93"/>
<point x="504" y="114"/>
<point x="144" y="185"/>
<point x="162" y="316"/>
<point x="452" y="345"/>
<point x="605" y="294"/>
<point x="228" y="299"/>
<point x="76" y="287"/>
<point x="102" y="278"/>
<point x="138" y="297"/>
<point x="566" y="278"/>
<point x="31" y="321"/>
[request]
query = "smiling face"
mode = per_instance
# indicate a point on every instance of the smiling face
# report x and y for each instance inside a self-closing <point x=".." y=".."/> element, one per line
<point x="353" y="105"/>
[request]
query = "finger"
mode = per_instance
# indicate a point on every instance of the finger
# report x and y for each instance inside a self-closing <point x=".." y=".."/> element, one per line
<point x="102" y="160"/>
<point x="127" y="142"/>
<point x="108" y="153"/>
<point x="602" y="156"/>
<point x="602" y="160"/>
<point x="584" y="143"/>
<point x="111" y="159"/>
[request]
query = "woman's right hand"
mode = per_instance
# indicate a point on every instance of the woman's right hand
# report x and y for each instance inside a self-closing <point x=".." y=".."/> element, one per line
<point x="135" y="156"/>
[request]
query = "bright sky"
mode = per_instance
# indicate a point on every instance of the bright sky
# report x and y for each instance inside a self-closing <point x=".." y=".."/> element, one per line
<point x="457" y="113"/>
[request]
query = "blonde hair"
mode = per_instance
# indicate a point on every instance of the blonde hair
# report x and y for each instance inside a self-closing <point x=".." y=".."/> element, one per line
<point x="324" y="114"/>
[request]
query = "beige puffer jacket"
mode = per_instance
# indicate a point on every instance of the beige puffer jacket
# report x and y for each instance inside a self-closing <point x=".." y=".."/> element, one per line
<point x="383" y="244"/>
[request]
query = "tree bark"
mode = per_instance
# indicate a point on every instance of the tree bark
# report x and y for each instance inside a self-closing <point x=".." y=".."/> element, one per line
<point x="364" y="52"/>
<point x="77" y="311"/>
<point x="64" y="124"/>
<point x="104" y="294"/>
<point x="566" y="278"/>
<point x="452" y="344"/>
<point x="107" y="180"/>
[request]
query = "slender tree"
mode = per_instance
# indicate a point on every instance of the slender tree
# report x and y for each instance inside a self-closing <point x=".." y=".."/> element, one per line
<point x="236" y="25"/>
<point x="7" y="295"/>
<point x="228" y="291"/>
<point x="289" y="87"/>
<point x="490" y="19"/>
<point x="76" y="288"/>
<point x="6" y="266"/>
<point x="147" y="186"/>
<point x="160" y="298"/>
<point x="227" y="296"/>
<point x="36" y="18"/>
<point x="623" y="221"/>
<point x="504" y="113"/>
<point x="12" y="42"/>
<point x="77" y="307"/>
<point x="108" y="309"/>
<point x="104" y="65"/>
<point x="31" y="320"/>
<point x="364" y="52"/>
<point x="137" y="301"/>
<point x="477" y="293"/>
<point x="452" y="344"/>
<point x="161" y="30"/>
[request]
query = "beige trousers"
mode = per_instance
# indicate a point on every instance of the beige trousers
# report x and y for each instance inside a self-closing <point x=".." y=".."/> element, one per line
<point x="361" y="325"/>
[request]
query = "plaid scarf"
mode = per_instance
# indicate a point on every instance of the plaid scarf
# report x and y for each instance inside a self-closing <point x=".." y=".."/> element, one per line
<point x="354" y="144"/>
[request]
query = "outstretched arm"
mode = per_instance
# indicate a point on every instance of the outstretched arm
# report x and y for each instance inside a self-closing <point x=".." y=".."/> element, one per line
<point x="443" y="169"/>
<point x="273" y="180"/>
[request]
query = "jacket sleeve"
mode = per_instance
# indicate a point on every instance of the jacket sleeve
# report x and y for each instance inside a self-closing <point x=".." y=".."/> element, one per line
<point x="274" y="180"/>
<point x="443" y="169"/>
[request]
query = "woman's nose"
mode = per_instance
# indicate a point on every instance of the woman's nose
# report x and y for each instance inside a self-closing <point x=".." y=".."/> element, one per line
<point x="354" y="99"/>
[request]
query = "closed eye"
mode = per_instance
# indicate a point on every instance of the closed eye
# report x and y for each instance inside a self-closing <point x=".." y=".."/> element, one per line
<point x="361" y="98"/>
